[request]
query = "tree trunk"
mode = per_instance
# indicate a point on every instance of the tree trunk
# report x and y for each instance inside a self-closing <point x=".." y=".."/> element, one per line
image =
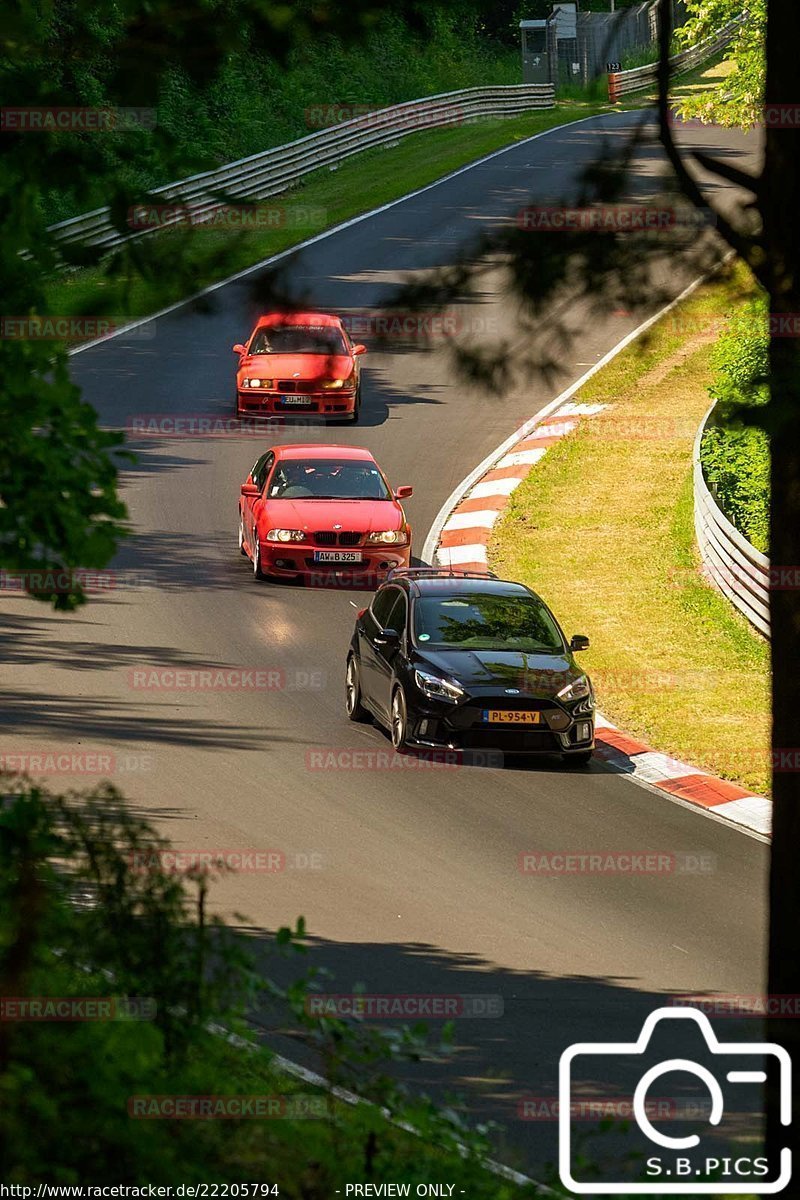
<point x="781" y="211"/>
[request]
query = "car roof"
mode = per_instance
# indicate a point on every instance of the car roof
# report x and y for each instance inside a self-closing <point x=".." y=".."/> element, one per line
<point x="299" y="318"/>
<point x="323" y="450"/>
<point x="457" y="585"/>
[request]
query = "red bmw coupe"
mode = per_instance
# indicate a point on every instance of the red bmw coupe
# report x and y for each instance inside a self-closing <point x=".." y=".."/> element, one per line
<point x="299" y="363"/>
<point x="322" y="510"/>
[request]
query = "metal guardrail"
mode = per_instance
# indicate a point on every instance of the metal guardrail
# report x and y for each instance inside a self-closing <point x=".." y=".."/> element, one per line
<point x="273" y="171"/>
<point x="736" y="568"/>
<point x="622" y="82"/>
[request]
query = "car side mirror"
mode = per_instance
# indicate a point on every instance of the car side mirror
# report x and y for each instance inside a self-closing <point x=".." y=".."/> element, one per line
<point x="359" y="349"/>
<point x="402" y="493"/>
<point x="389" y="638"/>
<point x="579" y="641"/>
<point x="250" y="489"/>
<point x="239" y="348"/>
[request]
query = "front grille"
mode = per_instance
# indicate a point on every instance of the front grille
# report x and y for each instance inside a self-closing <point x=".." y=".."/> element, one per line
<point x="295" y="386"/>
<point x="326" y="537"/>
<point x="496" y="738"/>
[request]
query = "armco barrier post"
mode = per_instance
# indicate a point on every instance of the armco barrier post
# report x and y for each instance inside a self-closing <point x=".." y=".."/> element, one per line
<point x="613" y="87"/>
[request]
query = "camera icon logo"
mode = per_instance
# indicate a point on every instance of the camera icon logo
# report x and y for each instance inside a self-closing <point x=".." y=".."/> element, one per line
<point x="674" y="1171"/>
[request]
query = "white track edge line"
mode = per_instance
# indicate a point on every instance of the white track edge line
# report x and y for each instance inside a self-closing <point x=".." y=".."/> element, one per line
<point x="466" y="484"/>
<point x="608" y="768"/>
<point x="458" y="493"/>
<point x="325" y="233"/>
<point x="288" y="1067"/>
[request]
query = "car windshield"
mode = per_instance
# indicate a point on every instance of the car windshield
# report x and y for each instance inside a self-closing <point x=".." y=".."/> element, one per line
<point x="298" y="339"/>
<point x="328" y="479"/>
<point x="486" y="621"/>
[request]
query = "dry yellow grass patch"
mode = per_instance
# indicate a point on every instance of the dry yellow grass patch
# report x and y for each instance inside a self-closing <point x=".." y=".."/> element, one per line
<point x="603" y="529"/>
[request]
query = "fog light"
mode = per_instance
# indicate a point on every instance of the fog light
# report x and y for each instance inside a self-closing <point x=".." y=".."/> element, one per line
<point x="584" y="731"/>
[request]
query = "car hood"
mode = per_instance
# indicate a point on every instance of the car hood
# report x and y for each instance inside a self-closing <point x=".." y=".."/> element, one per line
<point x="366" y="516"/>
<point x="303" y="366"/>
<point x="529" y="674"/>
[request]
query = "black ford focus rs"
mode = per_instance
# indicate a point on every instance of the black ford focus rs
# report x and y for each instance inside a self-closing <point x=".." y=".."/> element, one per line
<point x="466" y="661"/>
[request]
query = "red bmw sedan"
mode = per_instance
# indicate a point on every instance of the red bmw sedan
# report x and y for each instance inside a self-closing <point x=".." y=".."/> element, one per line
<point x="299" y="363"/>
<point x="322" y="511"/>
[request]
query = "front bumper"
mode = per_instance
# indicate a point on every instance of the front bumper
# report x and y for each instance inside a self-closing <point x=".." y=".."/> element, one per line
<point x="461" y="727"/>
<point x="293" y="559"/>
<point x="257" y="403"/>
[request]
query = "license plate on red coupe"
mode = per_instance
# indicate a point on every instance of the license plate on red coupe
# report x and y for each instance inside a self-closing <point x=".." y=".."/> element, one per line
<point x="337" y="556"/>
<point x="296" y="401"/>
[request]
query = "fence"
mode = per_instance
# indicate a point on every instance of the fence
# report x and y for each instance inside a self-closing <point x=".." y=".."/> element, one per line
<point x="275" y="170"/>
<point x="581" y="46"/>
<point x="736" y="568"/>
<point x="622" y="82"/>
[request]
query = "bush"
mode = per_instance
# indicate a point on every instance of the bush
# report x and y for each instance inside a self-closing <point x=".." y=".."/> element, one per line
<point x="734" y="455"/>
<point x="86" y="911"/>
<point x="256" y="103"/>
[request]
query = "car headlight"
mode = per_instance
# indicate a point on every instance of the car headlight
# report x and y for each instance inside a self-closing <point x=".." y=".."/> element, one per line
<point x="286" y="535"/>
<point x="254" y="383"/>
<point x="331" y="384"/>
<point x="436" y="688"/>
<point x="388" y="537"/>
<point x="577" y="690"/>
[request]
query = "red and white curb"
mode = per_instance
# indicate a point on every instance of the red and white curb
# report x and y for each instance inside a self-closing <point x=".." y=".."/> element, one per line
<point x="682" y="782"/>
<point x="465" y="534"/>
<point x="460" y="538"/>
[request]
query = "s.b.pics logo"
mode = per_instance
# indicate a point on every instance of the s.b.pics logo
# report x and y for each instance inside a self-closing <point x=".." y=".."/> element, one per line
<point x="701" y="1136"/>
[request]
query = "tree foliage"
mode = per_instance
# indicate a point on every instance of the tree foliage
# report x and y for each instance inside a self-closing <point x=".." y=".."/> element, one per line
<point x="59" y="507"/>
<point x="739" y="102"/>
<point x="90" y="910"/>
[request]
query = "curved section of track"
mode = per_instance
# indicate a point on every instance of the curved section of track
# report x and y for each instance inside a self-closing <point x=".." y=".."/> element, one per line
<point x="409" y="878"/>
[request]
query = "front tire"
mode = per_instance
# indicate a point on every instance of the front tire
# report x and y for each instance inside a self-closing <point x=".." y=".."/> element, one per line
<point x="352" y="693"/>
<point x="241" y="536"/>
<point x="399" y="725"/>
<point x="257" y="572"/>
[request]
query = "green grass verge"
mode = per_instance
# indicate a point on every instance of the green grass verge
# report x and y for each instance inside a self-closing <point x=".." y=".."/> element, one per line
<point x="603" y="529"/>
<point x="191" y="258"/>
<point x="702" y="79"/>
<point x="164" y="268"/>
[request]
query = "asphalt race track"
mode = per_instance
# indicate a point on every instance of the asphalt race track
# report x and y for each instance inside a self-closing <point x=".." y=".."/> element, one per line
<point x="408" y="877"/>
